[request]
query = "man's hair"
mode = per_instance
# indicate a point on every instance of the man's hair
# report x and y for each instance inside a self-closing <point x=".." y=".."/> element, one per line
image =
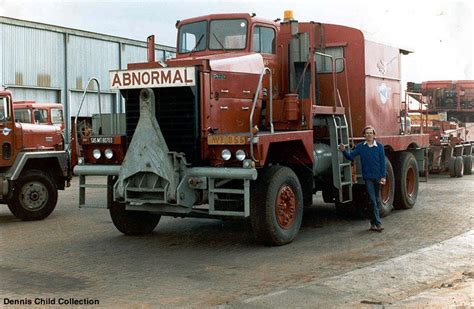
<point x="368" y="127"/>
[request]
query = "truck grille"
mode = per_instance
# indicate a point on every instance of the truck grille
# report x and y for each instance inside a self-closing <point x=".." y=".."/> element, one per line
<point x="177" y="112"/>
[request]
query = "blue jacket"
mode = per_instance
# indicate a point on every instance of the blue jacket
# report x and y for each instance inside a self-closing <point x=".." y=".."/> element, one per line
<point x="372" y="160"/>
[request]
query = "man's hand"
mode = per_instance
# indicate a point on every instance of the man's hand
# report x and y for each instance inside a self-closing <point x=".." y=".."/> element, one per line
<point x="382" y="181"/>
<point x="342" y="147"/>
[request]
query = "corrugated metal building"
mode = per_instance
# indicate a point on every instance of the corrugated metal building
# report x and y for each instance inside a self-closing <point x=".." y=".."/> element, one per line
<point x="49" y="63"/>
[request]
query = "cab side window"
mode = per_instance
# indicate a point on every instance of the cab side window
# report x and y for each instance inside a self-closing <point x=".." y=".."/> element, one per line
<point x="41" y="116"/>
<point x="263" y="40"/>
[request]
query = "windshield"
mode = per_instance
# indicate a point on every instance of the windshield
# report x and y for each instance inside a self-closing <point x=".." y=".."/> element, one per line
<point x="23" y="115"/>
<point x="192" y="37"/>
<point x="224" y="34"/>
<point x="228" y="34"/>
<point x="56" y="116"/>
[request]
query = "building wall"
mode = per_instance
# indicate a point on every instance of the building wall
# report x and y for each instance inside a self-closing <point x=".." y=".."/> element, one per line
<point x="49" y="63"/>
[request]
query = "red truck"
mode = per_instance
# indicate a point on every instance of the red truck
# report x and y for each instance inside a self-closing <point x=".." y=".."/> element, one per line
<point x="246" y="122"/>
<point x="33" y="165"/>
<point x="39" y="113"/>
<point x="451" y="139"/>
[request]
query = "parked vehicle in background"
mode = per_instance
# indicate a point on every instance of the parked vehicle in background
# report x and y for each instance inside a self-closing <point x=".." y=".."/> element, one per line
<point x="449" y="109"/>
<point x="39" y="113"/>
<point x="34" y="164"/>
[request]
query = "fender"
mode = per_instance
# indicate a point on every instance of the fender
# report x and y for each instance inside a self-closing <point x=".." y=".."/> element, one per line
<point x="22" y="158"/>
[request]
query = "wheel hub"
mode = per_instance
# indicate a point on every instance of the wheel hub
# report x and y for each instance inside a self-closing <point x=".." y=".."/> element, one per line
<point x="285" y="207"/>
<point x="34" y="196"/>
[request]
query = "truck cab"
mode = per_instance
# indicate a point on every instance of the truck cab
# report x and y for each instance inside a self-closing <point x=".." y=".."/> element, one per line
<point x="39" y="113"/>
<point x="34" y="163"/>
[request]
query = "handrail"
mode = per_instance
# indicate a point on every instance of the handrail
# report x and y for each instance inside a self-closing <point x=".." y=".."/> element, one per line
<point x="254" y="104"/>
<point x="80" y="107"/>
<point x="351" y="132"/>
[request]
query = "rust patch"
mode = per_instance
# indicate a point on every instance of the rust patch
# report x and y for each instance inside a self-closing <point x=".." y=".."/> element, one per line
<point x="43" y="80"/>
<point x="19" y="79"/>
<point x="91" y="87"/>
<point x="79" y="83"/>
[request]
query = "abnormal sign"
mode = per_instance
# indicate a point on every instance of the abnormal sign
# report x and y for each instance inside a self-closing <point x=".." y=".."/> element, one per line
<point x="153" y="78"/>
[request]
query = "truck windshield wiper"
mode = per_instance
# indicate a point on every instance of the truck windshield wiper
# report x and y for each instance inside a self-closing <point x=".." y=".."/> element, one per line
<point x="218" y="41"/>
<point x="197" y="44"/>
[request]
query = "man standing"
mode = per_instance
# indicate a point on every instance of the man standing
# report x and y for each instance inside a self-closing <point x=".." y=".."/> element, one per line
<point x="372" y="159"/>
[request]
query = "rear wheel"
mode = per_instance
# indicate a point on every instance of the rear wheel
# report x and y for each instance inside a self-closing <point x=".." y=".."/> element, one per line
<point x="451" y="167"/>
<point x="406" y="181"/>
<point x="276" y="206"/>
<point x="133" y="223"/>
<point x="386" y="196"/>
<point x="387" y="191"/>
<point x="468" y="165"/>
<point x="459" y="166"/>
<point x="34" y="196"/>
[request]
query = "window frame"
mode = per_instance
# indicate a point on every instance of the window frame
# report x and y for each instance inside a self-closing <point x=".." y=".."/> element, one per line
<point x="205" y="39"/>
<point x="325" y="59"/>
<point x="227" y="19"/>
<point x="260" y="45"/>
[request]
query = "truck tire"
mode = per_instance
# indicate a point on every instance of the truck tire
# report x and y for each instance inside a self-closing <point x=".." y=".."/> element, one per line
<point x="459" y="166"/>
<point x="133" y="223"/>
<point x="276" y="206"/>
<point x="468" y="165"/>
<point x="406" y="181"/>
<point x="387" y="191"/>
<point x="34" y="196"/>
<point x="451" y="167"/>
<point x="361" y="199"/>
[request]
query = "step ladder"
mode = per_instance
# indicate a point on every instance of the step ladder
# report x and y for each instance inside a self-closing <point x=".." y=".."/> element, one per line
<point x="341" y="167"/>
<point x="82" y="191"/>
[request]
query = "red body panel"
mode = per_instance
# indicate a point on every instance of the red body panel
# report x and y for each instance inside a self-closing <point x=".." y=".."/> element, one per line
<point x="19" y="136"/>
<point x="462" y="95"/>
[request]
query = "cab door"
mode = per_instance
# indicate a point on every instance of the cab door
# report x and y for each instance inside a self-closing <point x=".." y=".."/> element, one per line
<point x="264" y="41"/>
<point x="6" y="132"/>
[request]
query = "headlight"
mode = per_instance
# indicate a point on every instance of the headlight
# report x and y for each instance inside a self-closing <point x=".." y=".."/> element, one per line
<point x="96" y="154"/>
<point x="226" y="154"/>
<point x="109" y="153"/>
<point x="240" y="155"/>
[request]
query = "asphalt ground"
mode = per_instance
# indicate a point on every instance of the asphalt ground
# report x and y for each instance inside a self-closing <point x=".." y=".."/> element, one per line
<point x="78" y="254"/>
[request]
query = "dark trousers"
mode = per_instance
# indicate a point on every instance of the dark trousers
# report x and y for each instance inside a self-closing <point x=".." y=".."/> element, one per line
<point x="373" y="189"/>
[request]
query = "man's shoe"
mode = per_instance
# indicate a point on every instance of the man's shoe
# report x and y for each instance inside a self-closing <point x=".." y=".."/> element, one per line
<point x="379" y="228"/>
<point x="373" y="227"/>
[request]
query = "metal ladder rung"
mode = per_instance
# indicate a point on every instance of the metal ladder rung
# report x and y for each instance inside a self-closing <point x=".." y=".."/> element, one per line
<point x="134" y="189"/>
<point x="346" y="183"/>
<point x="345" y="164"/>
<point x="92" y="206"/>
<point x="95" y="186"/>
<point x="230" y="191"/>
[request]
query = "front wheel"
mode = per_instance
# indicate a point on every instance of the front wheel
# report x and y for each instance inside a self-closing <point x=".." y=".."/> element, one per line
<point x="276" y="206"/>
<point x="133" y="223"/>
<point x="34" y="196"/>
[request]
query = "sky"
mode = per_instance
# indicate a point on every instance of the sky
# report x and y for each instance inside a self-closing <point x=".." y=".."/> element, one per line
<point x="439" y="32"/>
